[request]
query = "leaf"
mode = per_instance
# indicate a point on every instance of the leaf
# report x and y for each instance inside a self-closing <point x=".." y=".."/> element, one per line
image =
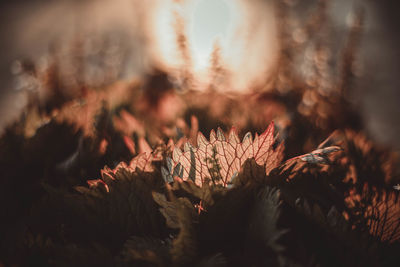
<point x="130" y="144"/>
<point x="250" y="172"/>
<point x="184" y="246"/>
<point x="169" y="174"/>
<point x="144" y="147"/>
<point x="219" y="158"/>
<point x="384" y="217"/>
<point x="317" y="156"/>
<point x="97" y="182"/>
<point x="168" y="210"/>
<point x="121" y="198"/>
<point x="142" y="161"/>
<point x="264" y="219"/>
<point x="320" y="155"/>
<point x="180" y="214"/>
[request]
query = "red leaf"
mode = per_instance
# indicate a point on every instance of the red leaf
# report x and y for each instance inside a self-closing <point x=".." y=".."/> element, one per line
<point x="143" y="162"/>
<point x="98" y="182"/>
<point x="226" y="156"/>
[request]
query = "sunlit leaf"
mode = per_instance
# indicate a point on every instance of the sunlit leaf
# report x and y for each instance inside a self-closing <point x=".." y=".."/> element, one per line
<point x="320" y="156"/>
<point x="219" y="158"/>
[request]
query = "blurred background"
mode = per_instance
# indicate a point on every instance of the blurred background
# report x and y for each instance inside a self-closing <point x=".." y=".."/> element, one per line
<point x="133" y="36"/>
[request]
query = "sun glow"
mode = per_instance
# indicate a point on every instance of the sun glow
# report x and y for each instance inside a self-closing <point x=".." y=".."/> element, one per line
<point x="212" y="21"/>
<point x="243" y="33"/>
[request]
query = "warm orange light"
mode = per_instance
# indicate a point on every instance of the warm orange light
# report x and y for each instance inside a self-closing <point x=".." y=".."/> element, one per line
<point x="244" y="33"/>
<point x="211" y="21"/>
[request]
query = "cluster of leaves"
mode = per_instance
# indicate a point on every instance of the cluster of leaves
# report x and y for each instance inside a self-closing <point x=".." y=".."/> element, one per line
<point x="221" y="202"/>
<point x="172" y="197"/>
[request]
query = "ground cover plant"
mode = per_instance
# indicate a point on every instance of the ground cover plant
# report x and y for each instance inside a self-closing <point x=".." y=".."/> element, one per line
<point x="152" y="172"/>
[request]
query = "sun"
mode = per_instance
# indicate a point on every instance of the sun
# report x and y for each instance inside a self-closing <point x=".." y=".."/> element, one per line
<point x="243" y="34"/>
<point x="206" y="22"/>
<point x="212" y="21"/>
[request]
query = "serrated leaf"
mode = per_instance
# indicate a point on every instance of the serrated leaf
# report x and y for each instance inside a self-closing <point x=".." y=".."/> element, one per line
<point x="142" y="162"/>
<point x="168" y="210"/>
<point x="264" y="219"/>
<point x="220" y="157"/>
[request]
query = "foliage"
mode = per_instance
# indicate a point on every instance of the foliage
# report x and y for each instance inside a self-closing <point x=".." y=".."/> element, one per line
<point x="122" y="174"/>
<point x="219" y="159"/>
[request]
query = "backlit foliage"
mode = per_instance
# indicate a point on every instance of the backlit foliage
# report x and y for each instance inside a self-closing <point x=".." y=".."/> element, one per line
<point x="220" y="158"/>
<point x="121" y="173"/>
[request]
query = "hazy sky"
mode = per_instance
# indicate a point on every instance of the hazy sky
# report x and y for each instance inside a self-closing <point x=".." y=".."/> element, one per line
<point x="28" y="27"/>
